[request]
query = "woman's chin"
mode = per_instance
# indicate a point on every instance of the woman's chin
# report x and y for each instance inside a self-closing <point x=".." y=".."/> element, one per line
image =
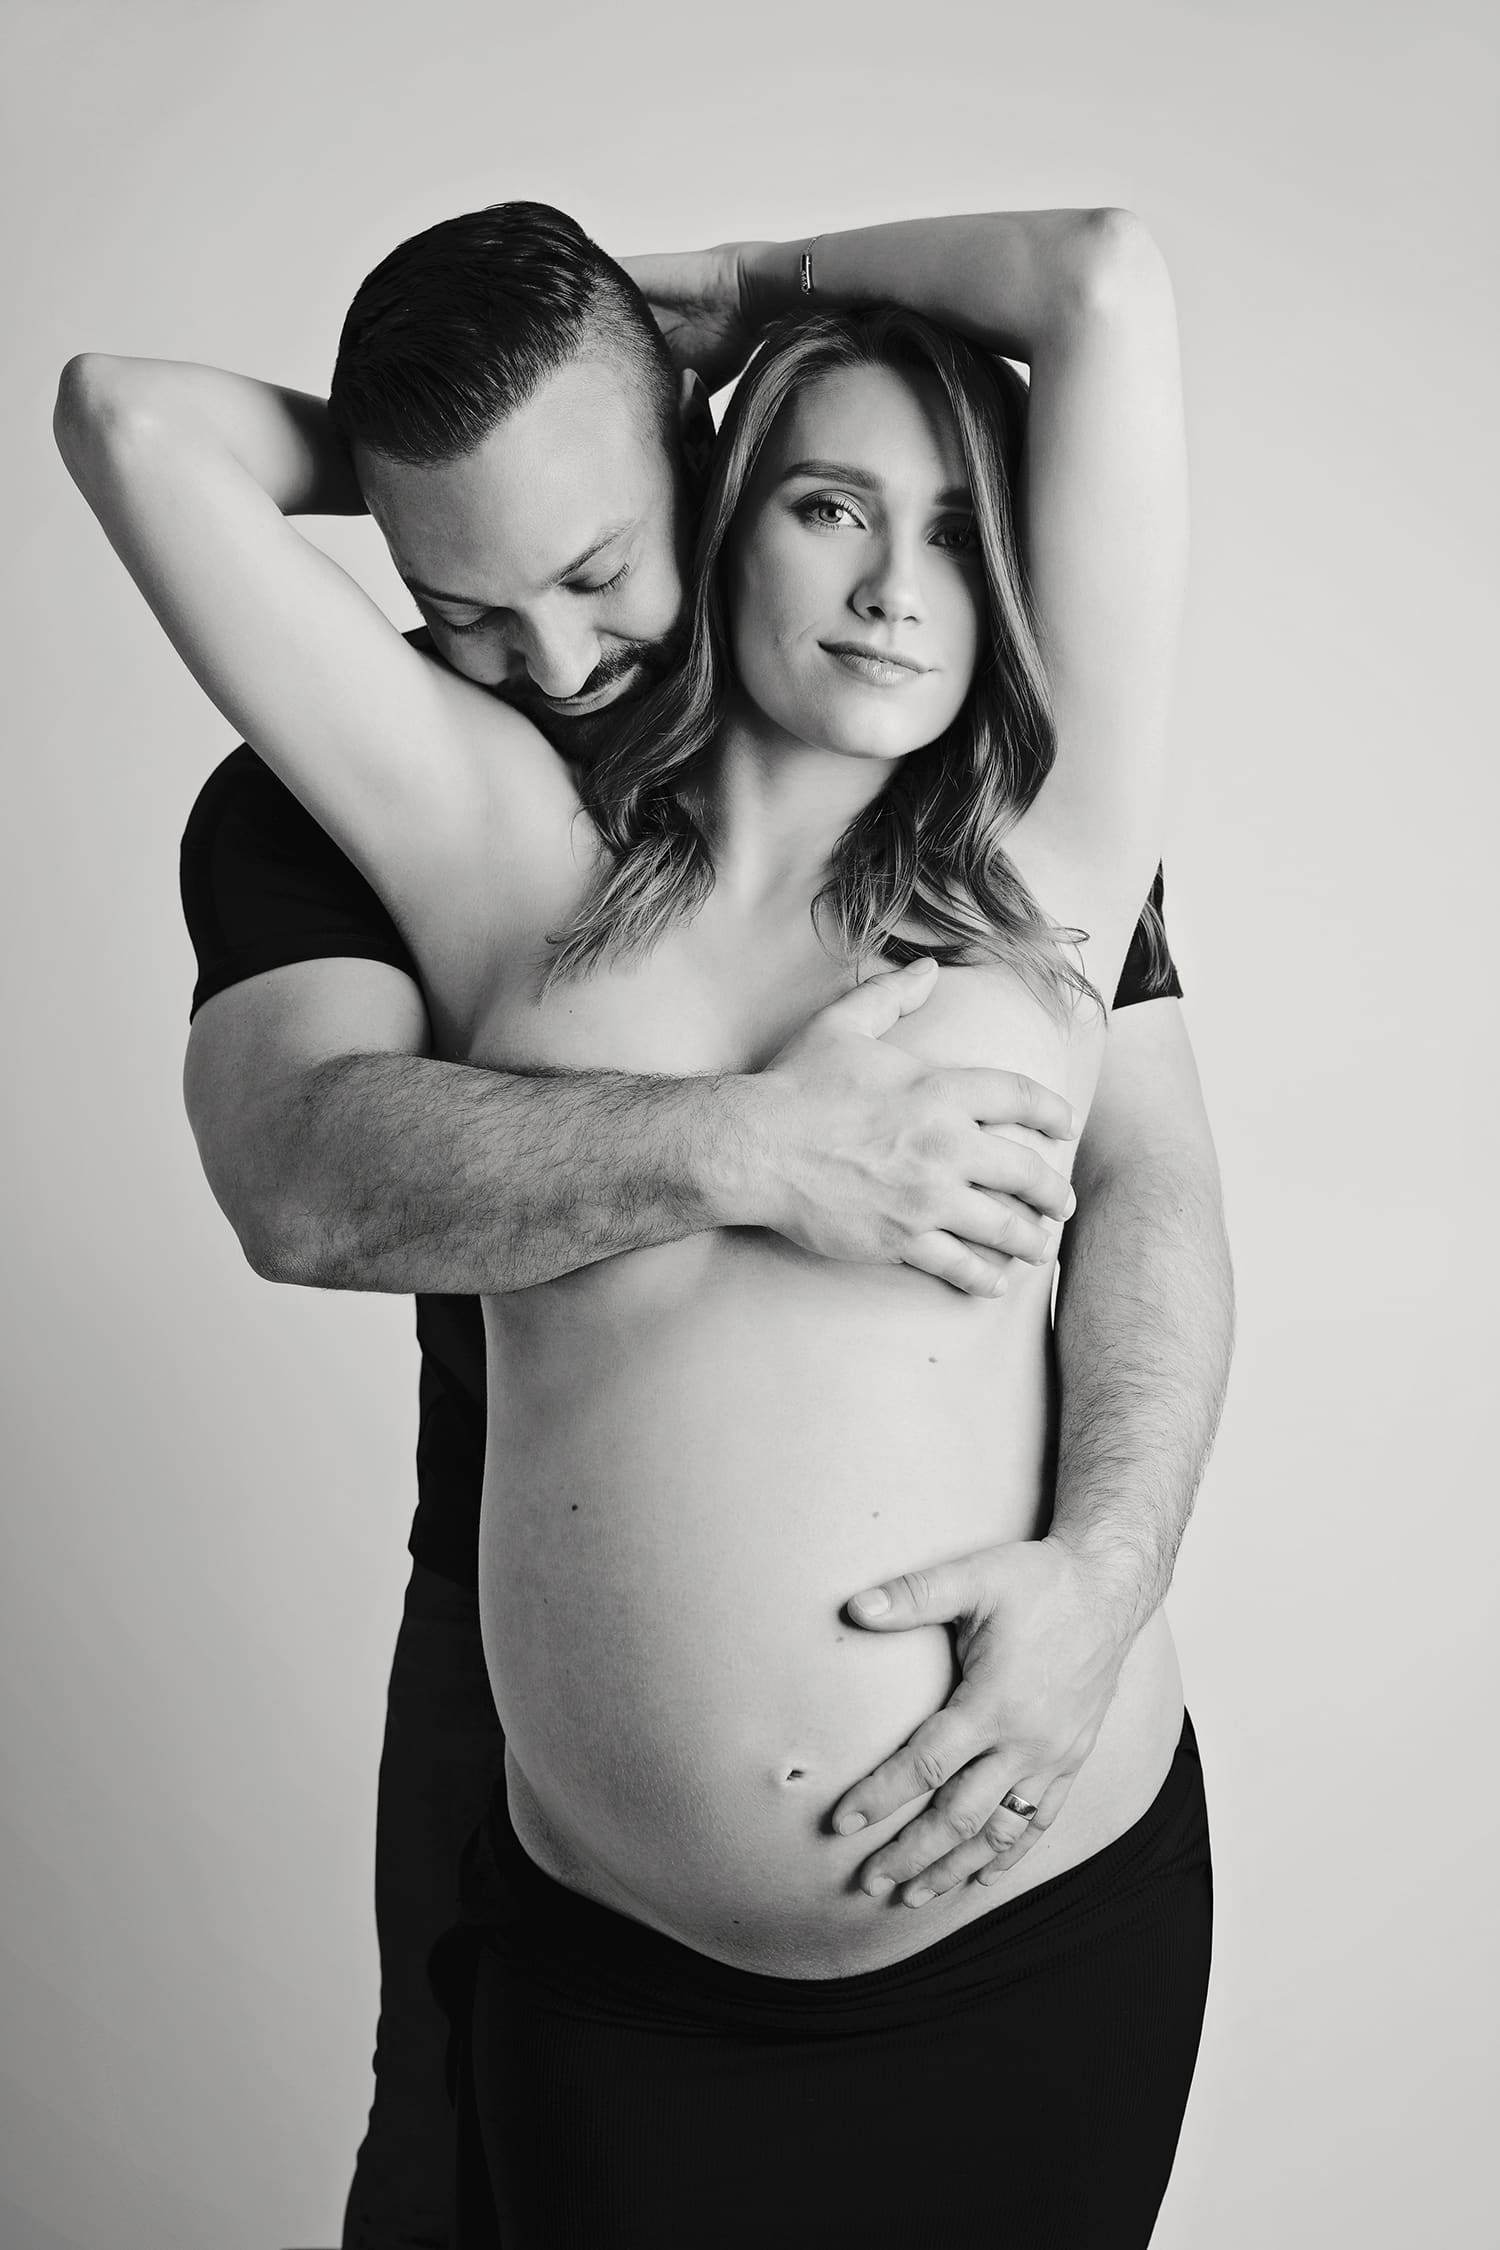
<point x="880" y="744"/>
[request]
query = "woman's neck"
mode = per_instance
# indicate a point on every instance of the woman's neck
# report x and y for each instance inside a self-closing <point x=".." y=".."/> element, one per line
<point x="776" y="807"/>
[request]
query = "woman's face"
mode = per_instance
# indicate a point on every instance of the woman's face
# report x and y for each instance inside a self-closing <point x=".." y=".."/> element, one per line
<point x="855" y="581"/>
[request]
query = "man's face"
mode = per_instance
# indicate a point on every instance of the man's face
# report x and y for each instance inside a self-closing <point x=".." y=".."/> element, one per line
<point x="549" y="562"/>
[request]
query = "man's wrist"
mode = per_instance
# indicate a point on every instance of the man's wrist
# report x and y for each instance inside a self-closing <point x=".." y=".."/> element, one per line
<point x="729" y="1136"/>
<point x="1111" y="1568"/>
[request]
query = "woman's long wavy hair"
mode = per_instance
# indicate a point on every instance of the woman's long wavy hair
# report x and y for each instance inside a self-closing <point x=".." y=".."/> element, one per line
<point x="928" y="849"/>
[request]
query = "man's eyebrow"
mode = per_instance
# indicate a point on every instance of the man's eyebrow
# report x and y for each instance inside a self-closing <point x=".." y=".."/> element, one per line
<point x="844" y="472"/>
<point x="472" y="601"/>
<point x="431" y="594"/>
<point x="604" y="539"/>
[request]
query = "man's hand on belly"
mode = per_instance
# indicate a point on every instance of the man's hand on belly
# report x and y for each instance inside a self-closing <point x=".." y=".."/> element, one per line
<point x="1041" y="1639"/>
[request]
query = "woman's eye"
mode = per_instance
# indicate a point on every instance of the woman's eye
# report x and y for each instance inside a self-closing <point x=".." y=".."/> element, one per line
<point x="472" y="626"/>
<point x="959" y="538"/>
<point x="828" y="510"/>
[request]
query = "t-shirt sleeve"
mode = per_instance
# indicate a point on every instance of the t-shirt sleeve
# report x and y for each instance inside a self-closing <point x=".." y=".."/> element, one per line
<point x="1149" y="973"/>
<point x="264" y="887"/>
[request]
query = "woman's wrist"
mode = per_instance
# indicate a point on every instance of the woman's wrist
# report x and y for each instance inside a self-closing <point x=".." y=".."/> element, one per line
<point x="770" y="281"/>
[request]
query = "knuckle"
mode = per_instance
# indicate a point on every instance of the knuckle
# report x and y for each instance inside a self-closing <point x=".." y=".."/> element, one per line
<point x="938" y="1146"/>
<point x="917" y="1191"/>
<point x="1029" y="1748"/>
<point x="896" y="1241"/>
<point x="1010" y="1230"/>
<point x="1041" y="1183"/>
<point x="965" y="1822"/>
<point x="930" y="1767"/>
<point x="917" y="1587"/>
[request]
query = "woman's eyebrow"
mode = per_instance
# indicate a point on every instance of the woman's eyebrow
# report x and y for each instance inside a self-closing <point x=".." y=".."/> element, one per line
<point x="844" y="472"/>
<point x="837" y="472"/>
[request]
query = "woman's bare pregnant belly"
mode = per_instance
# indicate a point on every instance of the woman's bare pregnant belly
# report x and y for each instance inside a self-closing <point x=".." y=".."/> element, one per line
<point x="696" y="1455"/>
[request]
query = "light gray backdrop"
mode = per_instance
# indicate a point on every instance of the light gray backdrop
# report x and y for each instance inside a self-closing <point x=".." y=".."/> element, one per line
<point x="209" y="1480"/>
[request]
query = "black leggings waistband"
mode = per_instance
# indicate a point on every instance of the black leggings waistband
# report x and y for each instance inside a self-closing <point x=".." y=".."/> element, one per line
<point x="509" y="1899"/>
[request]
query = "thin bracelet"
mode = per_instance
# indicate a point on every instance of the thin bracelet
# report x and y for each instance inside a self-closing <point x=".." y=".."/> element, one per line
<point x="805" y="274"/>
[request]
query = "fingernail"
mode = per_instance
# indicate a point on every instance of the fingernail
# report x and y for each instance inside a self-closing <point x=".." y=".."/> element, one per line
<point x="991" y="1876"/>
<point x="850" y="1823"/>
<point x="1072" y="1205"/>
<point x="920" y="1895"/>
<point x="875" y="1603"/>
<point x="878" y="1885"/>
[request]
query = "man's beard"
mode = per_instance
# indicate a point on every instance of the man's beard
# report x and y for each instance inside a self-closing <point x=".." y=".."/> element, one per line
<point x="644" y="664"/>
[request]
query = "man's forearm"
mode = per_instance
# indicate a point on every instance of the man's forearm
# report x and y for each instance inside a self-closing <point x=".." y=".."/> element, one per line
<point x="393" y="1172"/>
<point x="384" y="1170"/>
<point x="1145" y="1331"/>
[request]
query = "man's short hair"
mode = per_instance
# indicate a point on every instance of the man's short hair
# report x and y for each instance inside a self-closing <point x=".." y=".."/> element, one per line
<point x="457" y="328"/>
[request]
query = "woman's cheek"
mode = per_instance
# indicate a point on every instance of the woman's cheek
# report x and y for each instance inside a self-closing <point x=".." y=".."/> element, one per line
<point x="756" y="639"/>
<point x="776" y="604"/>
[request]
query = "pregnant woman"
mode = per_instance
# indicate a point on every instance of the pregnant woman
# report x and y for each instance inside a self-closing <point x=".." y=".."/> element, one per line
<point x="922" y="712"/>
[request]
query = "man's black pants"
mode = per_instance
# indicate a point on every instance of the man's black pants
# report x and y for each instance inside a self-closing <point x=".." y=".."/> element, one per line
<point x="443" y="1754"/>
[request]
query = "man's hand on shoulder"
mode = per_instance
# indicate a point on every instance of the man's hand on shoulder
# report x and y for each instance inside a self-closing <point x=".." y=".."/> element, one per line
<point x="1042" y="1632"/>
<point x="863" y="1153"/>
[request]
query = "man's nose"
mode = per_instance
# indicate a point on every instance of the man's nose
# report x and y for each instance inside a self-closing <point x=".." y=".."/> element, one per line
<point x="559" y="654"/>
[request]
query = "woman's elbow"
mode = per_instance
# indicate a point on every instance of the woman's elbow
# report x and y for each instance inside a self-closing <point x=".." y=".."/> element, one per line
<point x="91" y="400"/>
<point x="1117" y="266"/>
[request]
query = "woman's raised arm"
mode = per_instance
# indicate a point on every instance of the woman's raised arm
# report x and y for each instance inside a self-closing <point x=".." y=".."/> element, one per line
<point x="1083" y="297"/>
<point x="189" y="470"/>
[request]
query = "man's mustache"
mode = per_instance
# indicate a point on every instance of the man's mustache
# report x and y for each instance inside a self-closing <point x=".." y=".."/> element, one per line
<point x="642" y="664"/>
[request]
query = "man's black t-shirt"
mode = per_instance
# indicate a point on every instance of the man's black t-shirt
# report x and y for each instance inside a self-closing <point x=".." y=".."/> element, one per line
<point x="263" y="887"/>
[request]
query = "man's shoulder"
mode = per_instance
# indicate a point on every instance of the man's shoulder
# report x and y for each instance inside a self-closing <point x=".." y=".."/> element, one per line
<point x="263" y="887"/>
<point x="242" y="804"/>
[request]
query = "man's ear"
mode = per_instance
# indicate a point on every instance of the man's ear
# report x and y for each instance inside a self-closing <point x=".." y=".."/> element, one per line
<point x="695" y="419"/>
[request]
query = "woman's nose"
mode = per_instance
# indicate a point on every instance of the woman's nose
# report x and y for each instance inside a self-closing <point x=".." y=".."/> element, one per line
<point x="892" y="588"/>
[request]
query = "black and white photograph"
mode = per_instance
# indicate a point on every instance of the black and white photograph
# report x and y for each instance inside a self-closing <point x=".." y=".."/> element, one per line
<point x="747" y="1495"/>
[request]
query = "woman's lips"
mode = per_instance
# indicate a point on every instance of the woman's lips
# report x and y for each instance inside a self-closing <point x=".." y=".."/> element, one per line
<point x="876" y="667"/>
